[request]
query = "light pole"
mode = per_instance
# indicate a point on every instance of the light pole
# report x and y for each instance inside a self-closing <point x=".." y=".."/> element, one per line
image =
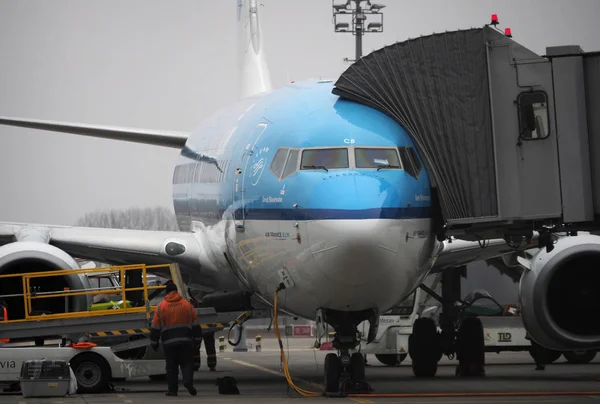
<point x="358" y="16"/>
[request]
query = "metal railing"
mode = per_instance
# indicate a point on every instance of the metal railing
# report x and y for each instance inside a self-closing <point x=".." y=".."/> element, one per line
<point x="31" y="293"/>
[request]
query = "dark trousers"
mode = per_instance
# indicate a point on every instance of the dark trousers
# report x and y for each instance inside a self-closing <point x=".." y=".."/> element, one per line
<point x="176" y="356"/>
<point x="211" y="350"/>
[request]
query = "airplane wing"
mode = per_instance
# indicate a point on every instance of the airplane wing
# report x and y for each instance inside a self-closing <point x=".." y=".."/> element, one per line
<point x="158" y="138"/>
<point x="460" y="252"/>
<point x="117" y="246"/>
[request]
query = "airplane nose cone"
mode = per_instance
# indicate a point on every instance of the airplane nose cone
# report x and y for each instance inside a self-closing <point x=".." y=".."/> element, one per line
<point x="358" y="242"/>
<point x="361" y="233"/>
<point x="335" y="191"/>
<point x="349" y="252"/>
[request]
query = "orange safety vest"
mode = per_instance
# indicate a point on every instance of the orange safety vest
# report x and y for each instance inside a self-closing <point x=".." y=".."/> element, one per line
<point x="4" y="318"/>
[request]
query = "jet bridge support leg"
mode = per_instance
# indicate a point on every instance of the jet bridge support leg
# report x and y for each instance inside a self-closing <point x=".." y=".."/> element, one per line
<point x="465" y="338"/>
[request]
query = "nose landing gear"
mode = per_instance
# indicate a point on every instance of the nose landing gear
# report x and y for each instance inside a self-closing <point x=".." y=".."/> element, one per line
<point x="345" y="373"/>
<point x="347" y="369"/>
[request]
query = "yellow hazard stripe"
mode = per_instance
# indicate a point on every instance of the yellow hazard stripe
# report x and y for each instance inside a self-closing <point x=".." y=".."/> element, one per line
<point x="136" y="331"/>
<point x="216" y="325"/>
<point x="131" y="331"/>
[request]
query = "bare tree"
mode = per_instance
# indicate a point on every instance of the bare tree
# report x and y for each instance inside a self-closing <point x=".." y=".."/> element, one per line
<point x="152" y="218"/>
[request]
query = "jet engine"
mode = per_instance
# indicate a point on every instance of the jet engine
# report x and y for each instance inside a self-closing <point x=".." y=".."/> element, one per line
<point x="33" y="256"/>
<point x="560" y="294"/>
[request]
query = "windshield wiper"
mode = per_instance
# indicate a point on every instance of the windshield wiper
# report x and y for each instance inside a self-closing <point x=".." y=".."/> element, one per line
<point x="317" y="167"/>
<point x="380" y="166"/>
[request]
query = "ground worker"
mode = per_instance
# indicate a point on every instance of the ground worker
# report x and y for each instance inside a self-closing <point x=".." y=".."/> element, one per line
<point x="175" y="322"/>
<point x="3" y="317"/>
<point x="211" y="350"/>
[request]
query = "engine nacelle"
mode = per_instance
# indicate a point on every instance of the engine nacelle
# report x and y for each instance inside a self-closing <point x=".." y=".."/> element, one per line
<point x="32" y="256"/>
<point x="560" y="295"/>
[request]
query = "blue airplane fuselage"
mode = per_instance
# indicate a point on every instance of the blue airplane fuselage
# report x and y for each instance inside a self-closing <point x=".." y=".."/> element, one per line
<point x="324" y="192"/>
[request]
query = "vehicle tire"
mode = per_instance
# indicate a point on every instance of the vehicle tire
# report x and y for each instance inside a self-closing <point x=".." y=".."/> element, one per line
<point x="91" y="371"/>
<point x="333" y="370"/>
<point x="158" y="378"/>
<point x="579" y="357"/>
<point x="357" y="367"/>
<point x="470" y="348"/>
<point x="424" y="348"/>
<point x="391" y="359"/>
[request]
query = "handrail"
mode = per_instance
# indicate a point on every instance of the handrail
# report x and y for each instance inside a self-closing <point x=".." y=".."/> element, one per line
<point x="29" y="295"/>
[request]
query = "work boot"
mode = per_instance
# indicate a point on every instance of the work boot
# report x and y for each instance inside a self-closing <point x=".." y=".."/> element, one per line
<point x="212" y="369"/>
<point x="171" y="394"/>
<point x="191" y="389"/>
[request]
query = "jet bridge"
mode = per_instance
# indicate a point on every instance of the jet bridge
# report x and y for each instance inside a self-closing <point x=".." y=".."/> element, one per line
<point x="508" y="136"/>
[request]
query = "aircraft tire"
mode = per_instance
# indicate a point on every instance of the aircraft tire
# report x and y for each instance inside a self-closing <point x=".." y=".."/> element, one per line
<point x="424" y="348"/>
<point x="391" y="359"/>
<point x="579" y="357"/>
<point x="470" y="348"/>
<point x="333" y="370"/>
<point x="357" y="367"/>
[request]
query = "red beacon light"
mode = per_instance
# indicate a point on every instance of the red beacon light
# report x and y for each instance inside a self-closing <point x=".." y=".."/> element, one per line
<point x="508" y="32"/>
<point x="494" y="20"/>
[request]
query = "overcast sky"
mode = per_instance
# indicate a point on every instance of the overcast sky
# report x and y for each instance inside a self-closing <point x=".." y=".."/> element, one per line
<point x="168" y="65"/>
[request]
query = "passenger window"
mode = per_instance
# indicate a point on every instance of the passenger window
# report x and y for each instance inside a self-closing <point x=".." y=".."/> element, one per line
<point x="533" y="115"/>
<point x="279" y="162"/>
<point x="410" y="161"/>
<point x="315" y="159"/>
<point x="376" y="158"/>
<point x="291" y="164"/>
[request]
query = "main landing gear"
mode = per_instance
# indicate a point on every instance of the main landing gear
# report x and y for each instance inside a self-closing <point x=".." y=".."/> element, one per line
<point x="426" y="345"/>
<point x="345" y="372"/>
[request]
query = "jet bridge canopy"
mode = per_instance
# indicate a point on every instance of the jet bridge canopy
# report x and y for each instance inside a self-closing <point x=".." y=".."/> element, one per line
<point x="485" y="114"/>
<point x="437" y="88"/>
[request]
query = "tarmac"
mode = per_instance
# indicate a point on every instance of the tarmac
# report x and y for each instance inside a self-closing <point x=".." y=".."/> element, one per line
<point x="510" y="378"/>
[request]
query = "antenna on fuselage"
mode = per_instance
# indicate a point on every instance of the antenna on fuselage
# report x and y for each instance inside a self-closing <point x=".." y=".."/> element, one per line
<point x="254" y="72"/>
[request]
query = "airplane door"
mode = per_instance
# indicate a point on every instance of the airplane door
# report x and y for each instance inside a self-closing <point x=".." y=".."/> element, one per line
<point x="248" y="171"/>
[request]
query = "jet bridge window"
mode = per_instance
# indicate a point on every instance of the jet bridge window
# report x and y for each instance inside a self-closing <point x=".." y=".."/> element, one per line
<point x="410" y="161"/>
<point x="533" y="115"/>
<point x="319" y="159"/>
<point x="279" y="161"/>
<point x="376" y="158"/>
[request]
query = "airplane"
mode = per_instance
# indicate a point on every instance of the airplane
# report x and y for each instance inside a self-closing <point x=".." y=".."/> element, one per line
<point x="291" y="190"/>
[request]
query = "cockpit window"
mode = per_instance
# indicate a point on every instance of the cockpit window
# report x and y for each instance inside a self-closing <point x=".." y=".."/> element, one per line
<point x="410" y="160"/>
<point x="291" y="164"/>
<point x="319" y="159"/>
<point x="376" y="158"/>
<point x="279" y="161"/>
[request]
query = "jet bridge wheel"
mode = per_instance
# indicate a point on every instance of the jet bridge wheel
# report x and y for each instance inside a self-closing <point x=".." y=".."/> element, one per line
<point x="424" y="348"/>
<point x="470" y="348"/>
